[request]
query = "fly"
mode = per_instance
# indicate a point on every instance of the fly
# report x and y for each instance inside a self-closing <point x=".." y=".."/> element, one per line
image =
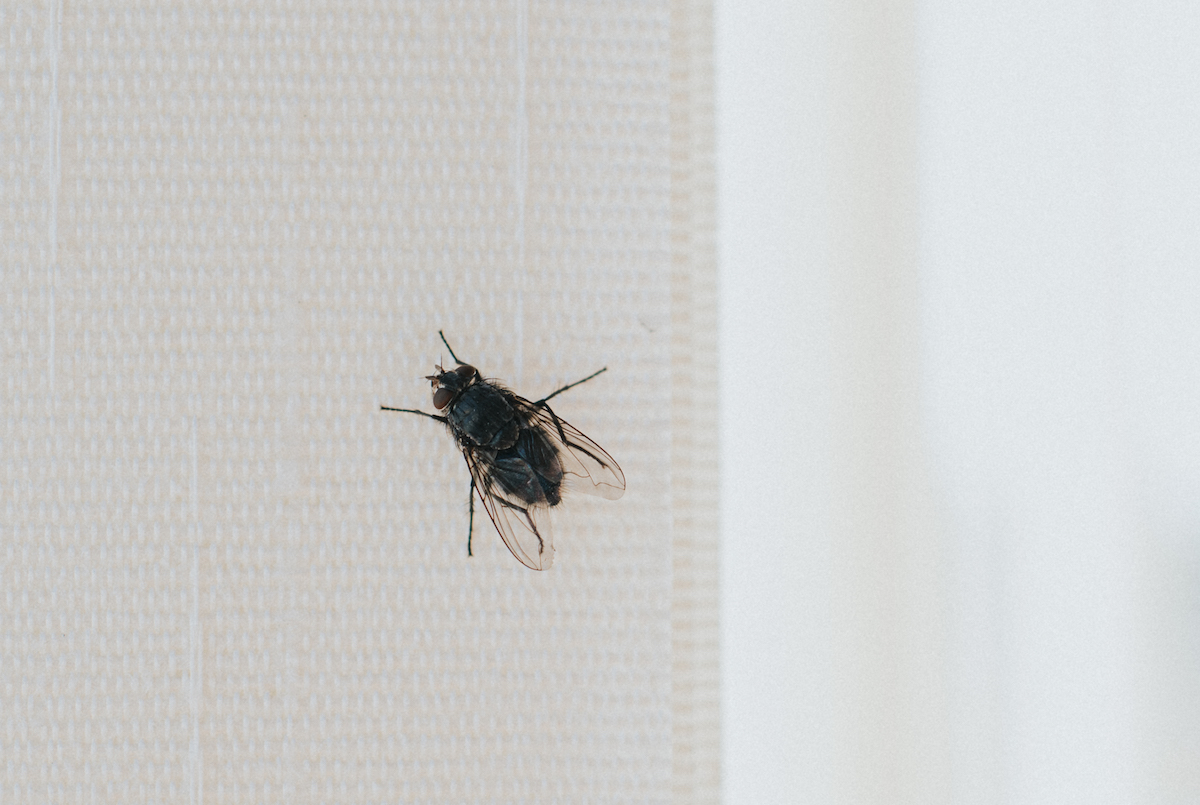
<point x="521" y="455"/>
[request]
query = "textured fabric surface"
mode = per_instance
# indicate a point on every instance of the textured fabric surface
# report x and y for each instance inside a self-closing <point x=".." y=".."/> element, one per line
<point x="694" y="481"/>
<point x="230" y="232"/>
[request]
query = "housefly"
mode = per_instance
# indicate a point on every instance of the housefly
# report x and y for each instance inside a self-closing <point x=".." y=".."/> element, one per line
<point x="522" y="456"/>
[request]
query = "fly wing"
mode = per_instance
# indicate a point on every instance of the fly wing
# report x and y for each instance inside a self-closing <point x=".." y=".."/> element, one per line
<point x="593" y="471"/>
<point x="524" y="526"/>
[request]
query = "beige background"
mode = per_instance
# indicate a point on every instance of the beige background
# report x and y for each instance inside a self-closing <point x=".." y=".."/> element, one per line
<point x="229" y="233"/>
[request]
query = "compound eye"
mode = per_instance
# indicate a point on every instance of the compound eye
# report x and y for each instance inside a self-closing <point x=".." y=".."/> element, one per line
<point x="442" y="398"/>
<point x="466" y="371"/>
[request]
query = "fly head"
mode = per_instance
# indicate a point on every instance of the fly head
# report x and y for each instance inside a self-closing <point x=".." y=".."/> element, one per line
<point x="448" y="385"/>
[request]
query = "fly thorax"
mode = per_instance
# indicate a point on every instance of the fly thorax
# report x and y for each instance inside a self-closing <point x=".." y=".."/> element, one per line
<point x="484" y="415"/>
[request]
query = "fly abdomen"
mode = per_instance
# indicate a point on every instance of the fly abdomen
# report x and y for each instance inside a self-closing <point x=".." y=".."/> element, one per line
<point x="536" y="450"/>
<point x="518" y="480"/>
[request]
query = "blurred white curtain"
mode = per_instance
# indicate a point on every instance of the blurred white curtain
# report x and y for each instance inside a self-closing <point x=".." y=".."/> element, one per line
<point x="961" y="403"/>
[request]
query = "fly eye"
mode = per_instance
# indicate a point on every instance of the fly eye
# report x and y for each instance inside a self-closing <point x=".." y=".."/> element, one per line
<point x="442" y="397"/>
<point x="466" y="371"/>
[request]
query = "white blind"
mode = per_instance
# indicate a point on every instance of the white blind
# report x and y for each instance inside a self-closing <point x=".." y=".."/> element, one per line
<point x="228" y="234"/>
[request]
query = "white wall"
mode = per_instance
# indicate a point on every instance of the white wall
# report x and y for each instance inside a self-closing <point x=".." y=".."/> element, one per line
<point x="960" y="287"/>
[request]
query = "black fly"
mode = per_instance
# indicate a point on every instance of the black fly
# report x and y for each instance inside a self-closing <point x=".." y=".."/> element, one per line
<point x="520" y="454"/>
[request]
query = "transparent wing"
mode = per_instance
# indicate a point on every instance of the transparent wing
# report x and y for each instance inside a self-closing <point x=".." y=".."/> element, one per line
<point x="524" y="526"/>
<point x="593" y="471"/>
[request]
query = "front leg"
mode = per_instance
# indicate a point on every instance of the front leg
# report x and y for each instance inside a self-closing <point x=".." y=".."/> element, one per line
<point x="441" y="419"/>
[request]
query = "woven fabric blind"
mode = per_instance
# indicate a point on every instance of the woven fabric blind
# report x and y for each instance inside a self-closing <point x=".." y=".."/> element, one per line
<point x="230" y="232"/>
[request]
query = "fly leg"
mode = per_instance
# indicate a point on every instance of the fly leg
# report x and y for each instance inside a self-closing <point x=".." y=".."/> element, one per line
<point x="471" y="516"/>
<point x="452" y="355"/>
<point x="441" y="419"/>
<point x="568" y="386"/>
